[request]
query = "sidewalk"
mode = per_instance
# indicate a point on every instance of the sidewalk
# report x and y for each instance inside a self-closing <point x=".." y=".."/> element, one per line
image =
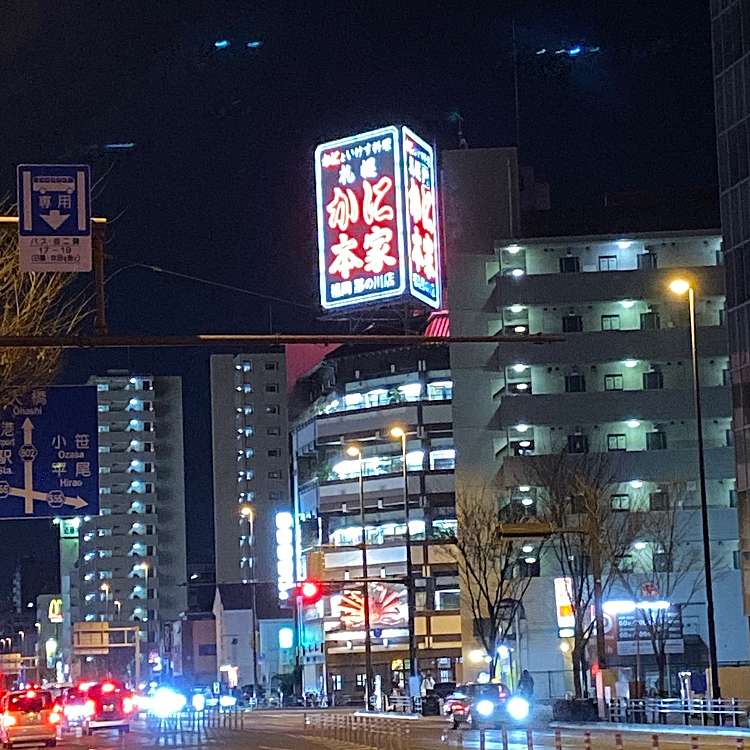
<point x="606" y="726"/>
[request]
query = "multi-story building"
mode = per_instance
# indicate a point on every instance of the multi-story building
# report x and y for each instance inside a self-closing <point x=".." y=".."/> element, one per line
<point x="730" y="20"/>
<point x="354" y="398"/>
<point x="132" y="556"/>
<point x="250" y="462"/>
<point x="618" y="383"/>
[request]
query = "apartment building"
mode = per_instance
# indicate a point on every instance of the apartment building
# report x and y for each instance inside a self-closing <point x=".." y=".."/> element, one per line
<point x="355" y="398"/>
<point x="250" y="462"/>
<point x="619" y="383"/>
<point x="132" y="556"/>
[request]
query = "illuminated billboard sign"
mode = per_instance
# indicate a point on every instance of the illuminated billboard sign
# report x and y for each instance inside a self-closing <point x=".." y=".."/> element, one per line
<point x="377" y="222"/>
<point x="421" y="218"/>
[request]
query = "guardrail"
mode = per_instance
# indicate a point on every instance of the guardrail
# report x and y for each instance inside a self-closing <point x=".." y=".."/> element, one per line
<point x="376" y="732"/>
<point x="688" y="712"/>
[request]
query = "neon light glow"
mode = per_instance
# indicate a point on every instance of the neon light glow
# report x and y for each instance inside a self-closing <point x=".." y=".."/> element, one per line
<point x="377" y="219"/>
<point x="360" y="219"/>
<point x="420" y="174"/>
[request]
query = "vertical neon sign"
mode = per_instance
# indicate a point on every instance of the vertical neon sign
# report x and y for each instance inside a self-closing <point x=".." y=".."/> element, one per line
<point x="422" y="237"/>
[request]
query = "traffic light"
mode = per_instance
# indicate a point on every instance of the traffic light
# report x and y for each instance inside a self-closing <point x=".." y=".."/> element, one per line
<point x="309" y="591"/>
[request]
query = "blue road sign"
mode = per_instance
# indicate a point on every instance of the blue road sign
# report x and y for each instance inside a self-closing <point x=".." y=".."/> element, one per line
<point x="54" y="217"/>
<point x="49" y="454"/>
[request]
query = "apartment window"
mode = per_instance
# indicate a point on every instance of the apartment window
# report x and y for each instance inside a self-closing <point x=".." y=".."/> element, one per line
<point x="729" y="438"/>
<point x="656" y="441"/>
<point x="575" y="383"/>
<point x="272" y="366"/>
<point x="736" y="559"/>
<point x="274" y="452"/>
<point x="617" y="443"/>
<point x="653" y="380"/>
<point x="658" y="500"/>
<point x="570" y="264"/>
<point x="272" y="387"/>
<point x="206" y="649"/>
<point x="620" y="502"/>
<point x="572" y="323"/>
<point x="335" y="682"/>
<point x="650" y="321"/>
<point x="272" y="409"/>
<point x="448" y="599"/>
<point x="610" y="322"/>
<point x="273" y="431"/>
<point x="274" y="475"/>
<point x="529" y="569"/>
<point x="361" y="680"/>
<point x="578" y="444"/>
<point x="646" y="261"/>
<point x="613" y="382"/>
<point x="607" y="262"/>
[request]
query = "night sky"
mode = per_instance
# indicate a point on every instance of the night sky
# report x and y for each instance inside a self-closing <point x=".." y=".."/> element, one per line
<point x="219" y="184"/>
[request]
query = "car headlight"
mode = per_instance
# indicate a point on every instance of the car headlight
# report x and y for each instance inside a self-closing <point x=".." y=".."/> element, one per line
<point x="518" y="708"/>
<point x="485" y="708"/>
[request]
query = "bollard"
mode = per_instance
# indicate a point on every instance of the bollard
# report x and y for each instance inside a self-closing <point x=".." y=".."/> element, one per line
<point x="655" y="742"/>
<point x="529" y="739"/>
<point x="558" y="739"/>
<point x="587" y="741"/>
<point x="618" y="741"/>
<point x="482" y="739"/>
<point x="504" y="735"/>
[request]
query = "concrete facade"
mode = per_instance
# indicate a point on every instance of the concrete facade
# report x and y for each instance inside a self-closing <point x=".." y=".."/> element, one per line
<point x="250" y="462"/>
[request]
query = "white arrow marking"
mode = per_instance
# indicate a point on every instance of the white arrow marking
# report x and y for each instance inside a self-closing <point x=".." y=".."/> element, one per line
<point x="74" y="502"/>
<point x="28" y="470"/>
<point x="55" y="219"/>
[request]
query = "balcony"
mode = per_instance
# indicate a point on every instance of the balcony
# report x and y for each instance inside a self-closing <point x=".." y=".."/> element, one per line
<point x="677" y="465"/>
<point x="606" y="346"/>
<point x="593" y="407"/>
<point x="572" y="288"/>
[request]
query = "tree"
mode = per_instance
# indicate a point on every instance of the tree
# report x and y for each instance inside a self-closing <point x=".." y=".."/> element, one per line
<point x="488" y="568"/>
<point x="668" y="569"/>
<point x="591" y="538"/>
<point x="31" y="304"/>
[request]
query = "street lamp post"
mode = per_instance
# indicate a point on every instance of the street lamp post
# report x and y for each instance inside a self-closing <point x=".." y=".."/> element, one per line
<point x="23" y="641"/>
<point x="680" y="287"/>
<point x="356" y="452"/>
<point x="118" y="608"/>
<point x="105" y="588"/>
<point x="400" y="433"/>
<point x="247" y="513"/>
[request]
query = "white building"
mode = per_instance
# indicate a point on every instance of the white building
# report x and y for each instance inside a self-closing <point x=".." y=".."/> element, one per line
<point x="619" y="382"/>
<point x="132" y="556"/>
<point x="250" y="462"/>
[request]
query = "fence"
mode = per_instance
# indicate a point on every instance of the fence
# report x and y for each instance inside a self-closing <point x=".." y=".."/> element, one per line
<point x="370" y="731"/>
<point x="689" y="712"/>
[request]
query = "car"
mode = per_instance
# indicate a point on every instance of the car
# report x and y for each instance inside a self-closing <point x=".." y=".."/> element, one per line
<point x="109" y="705"/>
<point x="72" y="704"/>
<point x="491" y="704"/>
<point x="28" y="718"/>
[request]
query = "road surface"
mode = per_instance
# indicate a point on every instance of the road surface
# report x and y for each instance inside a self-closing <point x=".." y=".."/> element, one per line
<point x="285" y="730"/>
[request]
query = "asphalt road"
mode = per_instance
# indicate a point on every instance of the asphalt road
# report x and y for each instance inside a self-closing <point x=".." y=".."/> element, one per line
<point x="284" y="730"/>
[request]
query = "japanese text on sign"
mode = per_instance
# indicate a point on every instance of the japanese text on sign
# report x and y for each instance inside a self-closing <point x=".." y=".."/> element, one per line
<point x="421" y="219"/>
<point x="360" y="219"/>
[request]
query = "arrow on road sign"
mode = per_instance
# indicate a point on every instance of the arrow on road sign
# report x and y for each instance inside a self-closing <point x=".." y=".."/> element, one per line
<point x="55" y="219"/>
<point x="76" y="502"/>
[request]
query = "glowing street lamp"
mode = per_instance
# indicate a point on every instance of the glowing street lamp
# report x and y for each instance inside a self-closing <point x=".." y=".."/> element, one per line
<point x="400" y="434"/>
<point x="680" y="287"/>
<point x="356" y="452"/>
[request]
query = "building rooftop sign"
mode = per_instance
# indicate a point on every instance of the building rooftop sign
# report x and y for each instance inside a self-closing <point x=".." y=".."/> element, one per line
<point x="377" y="219"/>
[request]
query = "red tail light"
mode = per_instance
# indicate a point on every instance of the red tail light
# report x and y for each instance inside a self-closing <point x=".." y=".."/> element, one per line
<point x="108" y="687"/>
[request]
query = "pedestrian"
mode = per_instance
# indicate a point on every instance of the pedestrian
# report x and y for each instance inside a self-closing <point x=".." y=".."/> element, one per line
<point x="526" y="685"/>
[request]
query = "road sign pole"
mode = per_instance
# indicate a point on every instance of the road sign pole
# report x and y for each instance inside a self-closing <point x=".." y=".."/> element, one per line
<point x="100" y="322"/>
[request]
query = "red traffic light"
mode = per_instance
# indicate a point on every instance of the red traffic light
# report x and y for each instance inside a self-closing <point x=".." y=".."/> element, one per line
<point x="310" y="591"/>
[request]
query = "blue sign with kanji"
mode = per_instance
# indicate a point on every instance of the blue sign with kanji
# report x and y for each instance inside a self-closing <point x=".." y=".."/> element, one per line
<point x="54" y="217"/>
<point x="49" y="454"/>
